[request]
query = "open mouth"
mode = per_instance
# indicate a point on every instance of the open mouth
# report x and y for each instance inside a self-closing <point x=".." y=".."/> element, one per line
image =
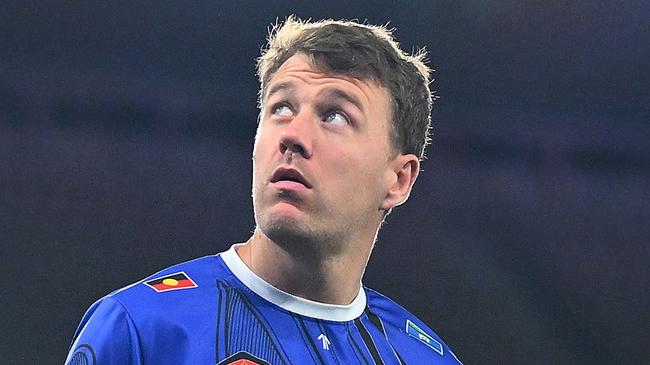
<point x="283" y="174"/>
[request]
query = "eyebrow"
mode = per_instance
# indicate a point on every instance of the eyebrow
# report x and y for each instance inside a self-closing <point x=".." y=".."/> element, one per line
<point x="283" y="86"/>
<point x="332" y="93"/>
<point x="340" y="94"/>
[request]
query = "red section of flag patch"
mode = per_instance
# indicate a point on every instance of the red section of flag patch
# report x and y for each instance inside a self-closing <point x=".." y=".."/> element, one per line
<point x="243" y="362"/>
<point x="175" y="281"/>
<point x="243" y="358"/>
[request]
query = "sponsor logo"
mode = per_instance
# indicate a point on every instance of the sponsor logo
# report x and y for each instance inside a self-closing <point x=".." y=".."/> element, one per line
<point x="242" y="358"/>
<point x="176" y="281"/>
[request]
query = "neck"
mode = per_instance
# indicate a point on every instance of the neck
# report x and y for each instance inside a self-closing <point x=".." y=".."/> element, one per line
<point x="332" y="279"/>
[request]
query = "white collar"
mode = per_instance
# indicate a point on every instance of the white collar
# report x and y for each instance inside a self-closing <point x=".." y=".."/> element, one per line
<point x="292" y="303"/>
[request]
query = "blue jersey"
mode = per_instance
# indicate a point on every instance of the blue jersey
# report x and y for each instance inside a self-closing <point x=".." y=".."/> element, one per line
<point x="215" y="310"/>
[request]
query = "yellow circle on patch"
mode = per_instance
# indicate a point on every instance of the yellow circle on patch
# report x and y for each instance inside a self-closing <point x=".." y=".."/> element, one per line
<point x="170" y="282"/>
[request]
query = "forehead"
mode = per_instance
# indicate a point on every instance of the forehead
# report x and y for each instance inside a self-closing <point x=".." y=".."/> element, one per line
<point x="300" y="68"/>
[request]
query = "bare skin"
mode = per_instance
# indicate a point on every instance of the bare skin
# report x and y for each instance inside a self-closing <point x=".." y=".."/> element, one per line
<point x="324" y="174"/>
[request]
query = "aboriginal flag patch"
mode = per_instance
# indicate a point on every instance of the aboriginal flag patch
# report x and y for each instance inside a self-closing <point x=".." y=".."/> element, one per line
<point x="179" y="280"/>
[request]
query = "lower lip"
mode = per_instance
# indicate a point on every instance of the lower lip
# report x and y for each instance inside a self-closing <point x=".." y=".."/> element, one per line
<point x="289" y="185"/>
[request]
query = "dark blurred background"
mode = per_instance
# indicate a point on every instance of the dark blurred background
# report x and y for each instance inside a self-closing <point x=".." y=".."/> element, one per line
<point x="126" y="133"/>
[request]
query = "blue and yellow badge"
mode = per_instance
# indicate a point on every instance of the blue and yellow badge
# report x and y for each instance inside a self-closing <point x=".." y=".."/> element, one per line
<point x="416" y="332"/>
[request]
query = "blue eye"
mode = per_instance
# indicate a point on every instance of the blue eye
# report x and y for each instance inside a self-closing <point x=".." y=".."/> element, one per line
<point x="336" y="118"/>
<point x="282" y="110"/>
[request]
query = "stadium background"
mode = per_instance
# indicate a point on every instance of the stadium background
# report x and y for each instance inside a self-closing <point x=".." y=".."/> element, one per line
<point x="125" y="141"/>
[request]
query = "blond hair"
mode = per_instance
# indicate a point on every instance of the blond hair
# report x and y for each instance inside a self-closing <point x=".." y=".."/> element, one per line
<point x="363" y="52"/>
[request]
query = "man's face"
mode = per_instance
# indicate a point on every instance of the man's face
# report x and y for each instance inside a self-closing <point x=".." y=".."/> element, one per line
<point x="322" y="156"/>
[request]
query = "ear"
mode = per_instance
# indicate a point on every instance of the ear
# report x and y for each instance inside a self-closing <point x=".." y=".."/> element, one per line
<point x="401" y="176"/>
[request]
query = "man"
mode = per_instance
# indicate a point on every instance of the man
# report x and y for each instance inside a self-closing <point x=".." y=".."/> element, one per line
<point x="344" y="119"/>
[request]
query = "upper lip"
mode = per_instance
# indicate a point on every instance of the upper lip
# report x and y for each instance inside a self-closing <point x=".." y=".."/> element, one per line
<point x="291" y="175"/>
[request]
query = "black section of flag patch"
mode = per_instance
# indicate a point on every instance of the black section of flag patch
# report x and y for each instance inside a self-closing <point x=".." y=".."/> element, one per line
<point x="175" y="281"/>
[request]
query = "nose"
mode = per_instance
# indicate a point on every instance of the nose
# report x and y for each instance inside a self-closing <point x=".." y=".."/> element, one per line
<point x="298" y="136"/>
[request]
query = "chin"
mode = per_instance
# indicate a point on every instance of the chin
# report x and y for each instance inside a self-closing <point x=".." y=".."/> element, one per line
<point x="297" y="238"/>
<point x="285" y="228"/>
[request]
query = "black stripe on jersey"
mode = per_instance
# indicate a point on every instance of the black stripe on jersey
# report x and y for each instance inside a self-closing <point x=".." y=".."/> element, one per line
<point x="303" y="335"/>
<point x="310" y="341"/>
<point x="235" y="300"/>
<point x="375" y="320"/>
<point x="323" y="330"/>
<point x="401" y="361"/>
<point x="276" y="344"/>
<point x="368" y="341"/>
<point x="216" y="345"/>
<point x="358" y="351"/>
<point x="226" y="319"/>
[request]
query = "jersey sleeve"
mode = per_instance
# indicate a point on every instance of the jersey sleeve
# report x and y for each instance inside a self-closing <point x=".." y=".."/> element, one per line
<point x="106" y="335"/>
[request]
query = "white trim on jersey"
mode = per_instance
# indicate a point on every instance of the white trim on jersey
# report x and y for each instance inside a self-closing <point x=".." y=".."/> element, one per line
<point x="292" y="303"/>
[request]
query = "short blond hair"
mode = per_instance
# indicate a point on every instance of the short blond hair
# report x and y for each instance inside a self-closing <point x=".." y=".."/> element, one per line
<point x="363" y="52"/>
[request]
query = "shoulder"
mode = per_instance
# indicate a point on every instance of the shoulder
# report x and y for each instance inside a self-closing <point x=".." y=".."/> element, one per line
<point x="159" y="311"/>
<point x="411" y="337"/>
<point x="159" y="298"/>
<point x="188" y="279"/>
<point x="201" y="269"/>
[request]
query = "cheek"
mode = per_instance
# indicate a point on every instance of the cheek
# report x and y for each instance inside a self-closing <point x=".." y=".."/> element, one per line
<point x="375" y="173"/>
<point x="262" y="145"/>
<point x="359" y="176"/>
<point x="259" y="152"/>
<point x="256" y="143"/>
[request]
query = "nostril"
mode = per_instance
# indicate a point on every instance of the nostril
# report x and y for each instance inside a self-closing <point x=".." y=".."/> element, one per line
<point x="292" y="146"/>
<point x="297" y="148"/>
